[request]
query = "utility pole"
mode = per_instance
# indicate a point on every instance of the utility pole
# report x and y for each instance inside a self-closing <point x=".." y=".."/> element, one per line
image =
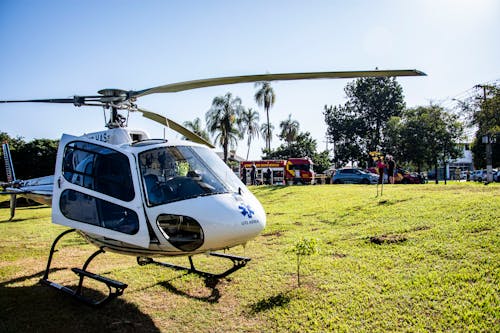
<point x="487" y="140"/>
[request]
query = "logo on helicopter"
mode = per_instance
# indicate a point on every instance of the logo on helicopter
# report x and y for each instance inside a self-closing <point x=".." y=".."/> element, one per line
<point x="246" y="210"/>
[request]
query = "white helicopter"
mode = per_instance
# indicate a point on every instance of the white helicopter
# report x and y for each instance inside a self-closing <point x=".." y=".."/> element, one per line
<point x="127" y="193"/>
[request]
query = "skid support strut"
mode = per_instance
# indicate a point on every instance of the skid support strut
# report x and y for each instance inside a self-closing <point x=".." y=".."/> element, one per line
<point x="238" y="263"/>
<point x="115" y="288"/>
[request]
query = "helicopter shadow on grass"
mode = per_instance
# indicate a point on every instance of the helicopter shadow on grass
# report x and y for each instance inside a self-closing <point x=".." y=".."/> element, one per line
<point x="37" y="308"/>
<point x="210" y="284"/>
<point x="15" y="220"/>
<point x="5" y="204"/>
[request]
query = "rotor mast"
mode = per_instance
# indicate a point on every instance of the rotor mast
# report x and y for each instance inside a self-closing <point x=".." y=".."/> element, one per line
<point x="116" y="99"/>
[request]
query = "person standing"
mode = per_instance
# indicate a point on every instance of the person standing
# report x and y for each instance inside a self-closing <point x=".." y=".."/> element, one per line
<point x="267" y="176"/>
<point x="253" y="172"/>
<point x="380" y="168"/>
<point x="391" y="165"/>
<point x="244" y="176"/>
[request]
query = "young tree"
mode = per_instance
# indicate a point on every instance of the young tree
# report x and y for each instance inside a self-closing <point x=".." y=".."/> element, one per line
<point x="303" y="248"/>
<point x="222" y="120"/>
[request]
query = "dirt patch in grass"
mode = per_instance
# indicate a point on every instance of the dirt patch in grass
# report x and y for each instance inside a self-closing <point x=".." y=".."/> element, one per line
<point x="421" y="228"/>
<point x="388" y="239"/>
<point x="274" y="233"/>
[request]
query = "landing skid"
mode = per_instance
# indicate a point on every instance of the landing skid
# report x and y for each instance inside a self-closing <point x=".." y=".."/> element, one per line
<point x="238" y="263"/>
<point x="115" y="288"/>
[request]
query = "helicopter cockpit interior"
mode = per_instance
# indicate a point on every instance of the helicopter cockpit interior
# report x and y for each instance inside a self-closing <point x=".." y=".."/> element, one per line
<point x="174" y="173"/>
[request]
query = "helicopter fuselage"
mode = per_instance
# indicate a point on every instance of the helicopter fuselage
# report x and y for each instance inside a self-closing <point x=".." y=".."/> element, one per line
<point x="151" y="197"/>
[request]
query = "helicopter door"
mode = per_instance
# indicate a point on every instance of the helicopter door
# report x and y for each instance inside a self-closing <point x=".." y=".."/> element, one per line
<point x="96" y="190"/>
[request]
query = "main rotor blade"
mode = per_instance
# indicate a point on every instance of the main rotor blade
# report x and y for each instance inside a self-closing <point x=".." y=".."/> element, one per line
<point x="187" y="85"/>
<point x="75" y="100"/>
<point x="51" y="100"/>
<point x="175" y="126"/>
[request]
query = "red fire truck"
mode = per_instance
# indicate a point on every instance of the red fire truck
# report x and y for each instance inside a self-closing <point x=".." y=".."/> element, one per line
<point x="278" y="172"/>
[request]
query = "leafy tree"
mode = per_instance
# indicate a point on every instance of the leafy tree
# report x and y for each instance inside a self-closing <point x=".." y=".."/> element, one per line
<point x="358" y="127"/>
<point x="14" y="143"/>
<point x="303" y="146"/>
<point x="376" y="100"/>
<point x="249" y="123"/>
<point x="267" y="133"/>
<point x="425" y="135"/>
<point x="321" y="161"/>
<point x="34" y="159"/>
<point x="346" y="131"/>
<point x="266" y="97"/>
<point x="222" y="120"/>
<point x="195" y="127"/>
<point x="485" y="116"/>
<point x="289" y="130"/>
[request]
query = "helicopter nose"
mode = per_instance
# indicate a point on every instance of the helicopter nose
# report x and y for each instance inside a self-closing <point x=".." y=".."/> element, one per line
<point x="238" y="222"/>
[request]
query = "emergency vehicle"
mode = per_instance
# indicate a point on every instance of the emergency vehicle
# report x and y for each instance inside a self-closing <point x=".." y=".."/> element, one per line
<point x="278" y="172"/>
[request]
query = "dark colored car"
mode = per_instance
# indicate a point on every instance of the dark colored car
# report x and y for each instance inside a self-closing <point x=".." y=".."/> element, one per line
<point x="402" y="176"/>
<point x="405" y="177"/>
<point x="354" y="176"/>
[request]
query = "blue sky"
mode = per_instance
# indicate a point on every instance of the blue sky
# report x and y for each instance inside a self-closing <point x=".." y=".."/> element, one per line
<point x="56" y="49"/>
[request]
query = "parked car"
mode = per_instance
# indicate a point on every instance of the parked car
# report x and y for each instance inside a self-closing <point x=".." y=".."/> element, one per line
<point x="482" y="175"/>
<point x="402" y="176"/>
<point x="374" y="171"/>
<point x="478" y="175"/>
<point x="406" y="177"/>
<point x="354" y="176"/>
<point x="496" y="176"/>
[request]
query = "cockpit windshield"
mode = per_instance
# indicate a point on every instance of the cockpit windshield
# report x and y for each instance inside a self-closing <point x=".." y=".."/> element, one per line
<point x="176" y="173"/>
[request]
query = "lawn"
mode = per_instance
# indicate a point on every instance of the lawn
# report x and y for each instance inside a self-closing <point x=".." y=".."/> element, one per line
<point x="419" y="258"/>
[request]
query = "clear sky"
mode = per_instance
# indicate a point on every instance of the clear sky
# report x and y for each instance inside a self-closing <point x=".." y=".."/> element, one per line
<point x="57" y="49"/>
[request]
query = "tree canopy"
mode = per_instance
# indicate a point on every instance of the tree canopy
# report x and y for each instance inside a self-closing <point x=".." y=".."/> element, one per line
<point x="222" y="120"/>
<point x="266" y="97"/>
<point x="359" y="126"/>
<point x="425" y="135"/>
<point x="36" y="158"/>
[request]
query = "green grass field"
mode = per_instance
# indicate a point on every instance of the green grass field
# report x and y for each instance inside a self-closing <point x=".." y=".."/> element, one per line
<point x="420" y="258"/>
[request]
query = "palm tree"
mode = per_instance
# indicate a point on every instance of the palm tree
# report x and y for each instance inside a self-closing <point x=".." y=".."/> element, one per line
<point x="289" y="130"/>
<point x="265" y="97"/>
<point x="222" y="120"/>
<point x="195" y="127"/>
<point x="266" y="130"/>
<point x="249" y="122"/>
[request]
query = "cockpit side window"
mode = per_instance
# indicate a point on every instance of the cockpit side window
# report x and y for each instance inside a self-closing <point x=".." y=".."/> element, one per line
<point x="99" y="169"/>
<point x="176" y="173"/>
